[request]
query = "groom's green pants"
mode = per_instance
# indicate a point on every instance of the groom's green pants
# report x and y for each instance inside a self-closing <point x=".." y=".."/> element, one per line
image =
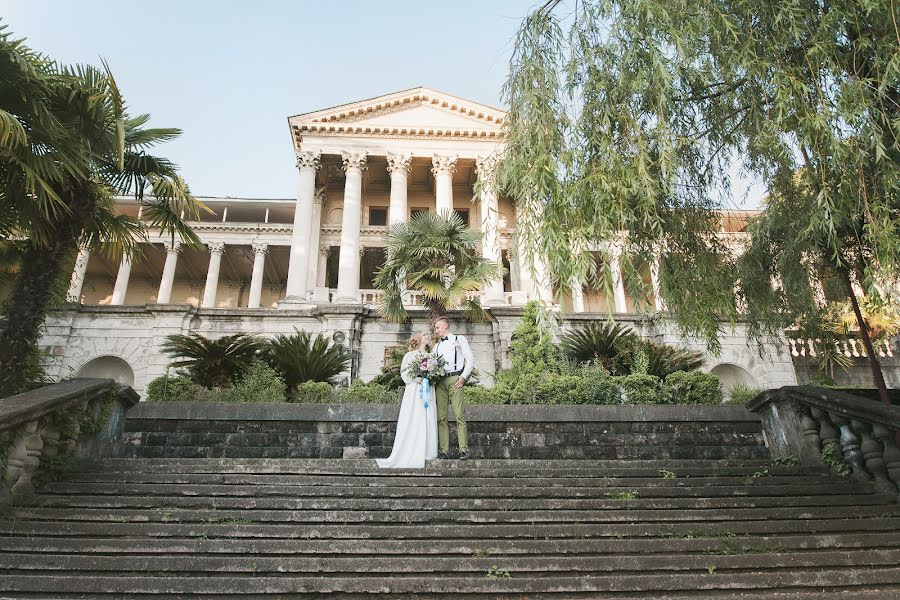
<point x="445" y="394"/>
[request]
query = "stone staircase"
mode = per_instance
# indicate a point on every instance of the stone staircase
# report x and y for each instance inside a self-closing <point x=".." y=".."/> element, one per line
<point x="296" y="528"/>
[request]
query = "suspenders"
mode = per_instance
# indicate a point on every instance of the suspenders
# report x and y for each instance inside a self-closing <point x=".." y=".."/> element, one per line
<point x="455" y="351"/>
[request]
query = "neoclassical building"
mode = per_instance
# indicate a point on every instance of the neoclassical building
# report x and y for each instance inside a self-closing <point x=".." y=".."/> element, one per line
<point x="274" y="265"/>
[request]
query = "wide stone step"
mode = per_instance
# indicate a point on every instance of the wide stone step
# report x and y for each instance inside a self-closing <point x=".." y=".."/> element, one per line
<point x="84" y="565"/>
<point x="800" y="579"/>
<point x="725" y="544"/>
<point x="200" y="499"/>
<point x="219" y="526"/>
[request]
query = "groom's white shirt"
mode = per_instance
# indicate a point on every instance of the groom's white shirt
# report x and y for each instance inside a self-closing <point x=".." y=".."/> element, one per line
<point x="457" y="354"/>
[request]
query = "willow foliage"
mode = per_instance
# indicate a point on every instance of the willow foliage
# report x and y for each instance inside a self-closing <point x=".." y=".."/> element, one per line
<point x="626" y="118"/>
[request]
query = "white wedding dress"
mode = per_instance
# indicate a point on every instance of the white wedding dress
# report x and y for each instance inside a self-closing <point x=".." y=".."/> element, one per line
<point x="416" y="438"/>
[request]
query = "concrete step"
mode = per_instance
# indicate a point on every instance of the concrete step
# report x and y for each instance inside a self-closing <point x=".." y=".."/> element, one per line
<point x="695" y="544"/>
<point x="201" y="499"/>
<point x="85" y="565"/>
<point x="800" y="579"/>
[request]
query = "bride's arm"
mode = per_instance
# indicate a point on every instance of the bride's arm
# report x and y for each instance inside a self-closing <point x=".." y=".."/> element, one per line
<point x="404" y="367"/>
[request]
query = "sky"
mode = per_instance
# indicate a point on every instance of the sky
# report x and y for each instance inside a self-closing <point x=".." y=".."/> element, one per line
<point x="229" y="73"/>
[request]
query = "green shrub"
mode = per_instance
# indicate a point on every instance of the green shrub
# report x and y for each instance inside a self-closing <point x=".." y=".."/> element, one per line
<point x="557" y="389"/>
<point x="531" y="350"/>
<point x="300" y="357"/>
<point x="360" y="392"/>
<point x="641" y="389"/>
<point x="172" y="388"/>
<point x="693" y="387"/>
<point x="480" y="395"/>
<point x="313" y="392"/>
<point x="595" y="386"/>
<point x="741" y="395"/>
<point x="260" y="383"/>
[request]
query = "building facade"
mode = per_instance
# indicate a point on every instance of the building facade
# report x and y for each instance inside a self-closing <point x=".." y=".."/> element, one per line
<point x="272" y="266"/>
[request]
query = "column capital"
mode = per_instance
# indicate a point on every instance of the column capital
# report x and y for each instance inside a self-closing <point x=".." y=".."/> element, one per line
<point x="172" y="247"/>
<point x="443" y="164"/>
<point x="308" y="160"/>
<point x="216" y="248"/>
<point x="319" y="195"/>
<point x="354" y="160"/>
<point x="399" y="163"/>
<point x="486" y="168"/>
<point x="325" y="249"/>
<point x="259" y="248"/>
<point x="362" y="251"/>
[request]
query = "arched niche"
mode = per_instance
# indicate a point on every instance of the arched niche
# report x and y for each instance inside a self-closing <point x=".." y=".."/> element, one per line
<point x="108" y="367"/>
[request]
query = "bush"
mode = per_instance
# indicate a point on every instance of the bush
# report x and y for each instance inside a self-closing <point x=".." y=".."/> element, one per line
<point x="595" y="386"/>
<point x="741" y="395"/>
<point x="641" y="389"/>
<point x="530" y="350"/>
<point x="693" y="387"/>
<point x="260" y="383"/>
<point x="313" y="392"/>
<point x="299" y="357"/>
<point x="172" y="388"/>
<point x="480" y="395"/>
<point x="360" y="392"/>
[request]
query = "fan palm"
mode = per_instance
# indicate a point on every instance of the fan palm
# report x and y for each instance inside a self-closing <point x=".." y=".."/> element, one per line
<point x="213" y="363"/>
<point x="596" y="342"/>
<point x="299" y="357"/>
<point x="67" y="147"/>
<point x="436" y="256"/>
<point x="662" y="359"/>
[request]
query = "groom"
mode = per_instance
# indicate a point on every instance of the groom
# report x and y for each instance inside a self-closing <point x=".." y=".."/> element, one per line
<point x="449" y="389"/>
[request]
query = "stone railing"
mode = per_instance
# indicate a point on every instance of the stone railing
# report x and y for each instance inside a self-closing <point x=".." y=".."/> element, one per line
<point x="40" y="430"/>
<point x="823" y="426"/>
<point x="849" y="347"/>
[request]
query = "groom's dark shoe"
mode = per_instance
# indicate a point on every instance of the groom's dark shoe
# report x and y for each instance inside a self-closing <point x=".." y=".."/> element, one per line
<point x="464" y="455"/>
<point x="442" y="455"/>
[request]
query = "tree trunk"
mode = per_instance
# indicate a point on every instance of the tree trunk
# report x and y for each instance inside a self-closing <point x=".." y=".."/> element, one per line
<point x="877" y="375"/>
<point x="41" y="268"/>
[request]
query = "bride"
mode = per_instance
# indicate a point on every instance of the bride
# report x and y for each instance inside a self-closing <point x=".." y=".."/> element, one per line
<point x="416" y="438"/>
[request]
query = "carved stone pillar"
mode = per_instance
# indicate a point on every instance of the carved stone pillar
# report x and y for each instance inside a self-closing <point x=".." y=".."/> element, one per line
<point x="216" y="250"/>
<point x="442" y="169"/>
<point x="78" y="273"/>
<point x="658" y="302"/>
<point x="486" y="169"/>
<point x="321" y="270"/>
<point x="398" y="167"/>
<point x="298" y="267"/>
<point x="315" y="232"/>
<point x="168" y="275"/>
<point x="256" y="279"/>
<point x="348" y="261"/>
<point x="121" y="287"/>
<point x="618" y="283"/>
<point x="577" y="296"/>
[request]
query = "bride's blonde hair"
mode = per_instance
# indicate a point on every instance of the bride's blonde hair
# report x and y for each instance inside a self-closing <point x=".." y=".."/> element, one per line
<point x="415" y="340"/>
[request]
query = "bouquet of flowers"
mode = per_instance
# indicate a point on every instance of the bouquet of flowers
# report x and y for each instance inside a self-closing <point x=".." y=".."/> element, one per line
<point x="427" y="366"/>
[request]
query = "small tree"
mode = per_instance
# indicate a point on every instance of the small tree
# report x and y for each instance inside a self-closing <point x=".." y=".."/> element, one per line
<point x="437" y="256"/>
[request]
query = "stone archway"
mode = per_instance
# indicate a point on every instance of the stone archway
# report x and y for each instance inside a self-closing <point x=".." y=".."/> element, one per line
<point x="111" y="367"/>
<point x="732" y="375"/>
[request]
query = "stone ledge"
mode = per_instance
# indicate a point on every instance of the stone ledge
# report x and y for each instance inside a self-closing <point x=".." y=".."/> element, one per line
<point x="32" y="405"/>
<point x="209" y="411"/>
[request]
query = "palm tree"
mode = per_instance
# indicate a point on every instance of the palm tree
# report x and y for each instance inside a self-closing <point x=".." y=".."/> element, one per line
<point x="437" y="256"/>
<point x="213" y="363"/>
<point x="597" y="341"/>
<point x="67" y="148"/>
<point x="299" y="358"/>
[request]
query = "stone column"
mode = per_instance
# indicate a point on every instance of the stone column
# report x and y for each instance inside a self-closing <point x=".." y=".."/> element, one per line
<point x="321" y="270"/>
<point x="577" y="296"/>
<point x="486" y="168"/>
<point x="658" y="302"/>
<point x="78" y="273"/>
<point x="398" y="167"/>
<point x="443" y="168"/>
<point x="618" y="283"/>
<point x="216" y="250"/>
<point x="168" y="275"/>
<point x="256" y="279"/>
<point x="318" y="204"/>
<point x="121" y="287"/>
<point x="348" y="260"/>
<point x="298" y="267"/>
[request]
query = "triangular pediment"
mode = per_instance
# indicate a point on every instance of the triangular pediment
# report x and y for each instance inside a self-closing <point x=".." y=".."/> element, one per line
<point x="419" y="111"/>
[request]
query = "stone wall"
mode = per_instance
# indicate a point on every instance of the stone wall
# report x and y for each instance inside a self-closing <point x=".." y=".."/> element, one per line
<point x="196" y="430"/>
<point x="134" y="334"/>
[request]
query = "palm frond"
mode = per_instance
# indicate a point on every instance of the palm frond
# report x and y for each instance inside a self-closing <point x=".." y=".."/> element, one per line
<point x="300" y="357"/>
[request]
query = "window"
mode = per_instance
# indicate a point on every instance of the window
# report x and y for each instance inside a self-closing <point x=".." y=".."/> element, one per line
<point x="415" y="211"/>
<point x="378" y="216"/>
<point x="463" y="214"/>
